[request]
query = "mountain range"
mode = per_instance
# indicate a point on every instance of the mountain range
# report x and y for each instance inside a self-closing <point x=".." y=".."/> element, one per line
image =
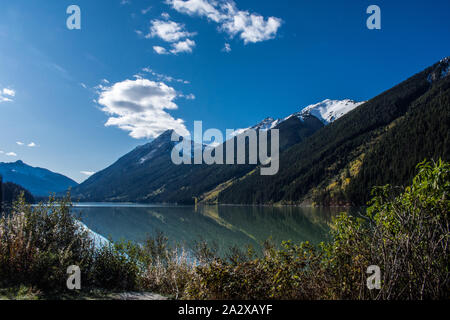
<point x="39" y="181"/>
<point x="147" y="174"/>
<point x="332" y="153"/>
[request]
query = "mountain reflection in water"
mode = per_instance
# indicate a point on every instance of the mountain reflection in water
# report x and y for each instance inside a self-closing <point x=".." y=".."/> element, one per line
<point x="225" y="226"/>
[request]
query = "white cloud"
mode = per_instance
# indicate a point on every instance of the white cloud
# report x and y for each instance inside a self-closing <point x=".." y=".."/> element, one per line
<point x="6" y="95"/>
<point x="205" y="8"/>
<point x="83" y="85"/>
<point x="160" y="50"/>
<point x="165" y="15"/>
<point x="168" y="31"/>
<point x="20" y="143"/>
<point x="183" y="46"/>
<point x="87" y="173"/>
<point x="227" y="48"/>
<point x="173" y="33"/>
<point x="139" y="106"/>
<point x="251" y="27"/>
<point x="1" y="152"/>
<point x="11" y="154"/>
<point x="9" y="92"/>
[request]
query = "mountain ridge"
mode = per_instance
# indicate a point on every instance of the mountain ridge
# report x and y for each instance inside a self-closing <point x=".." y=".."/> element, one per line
<point x="40" y="182"/>
<point x="159" y="180"/>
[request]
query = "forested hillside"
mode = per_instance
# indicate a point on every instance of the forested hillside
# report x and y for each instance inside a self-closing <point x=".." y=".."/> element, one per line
<point x="9" y="192"/>
<point x="379" y="142"/>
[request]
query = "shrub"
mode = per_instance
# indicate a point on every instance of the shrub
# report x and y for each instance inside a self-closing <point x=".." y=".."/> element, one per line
<point x="166" y="269"/>
<point x="411" y="235"/>
<point x="37" y="244"/>
<point x="405" y="232"/>
<point x="288" y="273"/>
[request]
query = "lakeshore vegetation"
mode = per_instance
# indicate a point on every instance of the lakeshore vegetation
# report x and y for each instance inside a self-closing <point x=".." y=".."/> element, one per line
<point x="404" y="231"/>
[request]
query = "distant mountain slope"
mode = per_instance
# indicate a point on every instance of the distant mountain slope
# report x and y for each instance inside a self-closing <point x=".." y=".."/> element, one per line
<point x="147" y="173"/>
<point x="40" y="182"/>
<point x="379" y="142"/>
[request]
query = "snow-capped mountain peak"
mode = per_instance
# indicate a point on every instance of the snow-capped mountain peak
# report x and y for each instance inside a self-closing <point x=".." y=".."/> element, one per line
<point x="328" y="110"/>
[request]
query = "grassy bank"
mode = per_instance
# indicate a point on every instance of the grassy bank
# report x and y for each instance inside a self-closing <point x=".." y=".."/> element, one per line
<point x="405" y="231"/>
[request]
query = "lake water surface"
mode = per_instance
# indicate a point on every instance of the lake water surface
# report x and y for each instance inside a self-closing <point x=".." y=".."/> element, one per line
<point x="224" y="225"/>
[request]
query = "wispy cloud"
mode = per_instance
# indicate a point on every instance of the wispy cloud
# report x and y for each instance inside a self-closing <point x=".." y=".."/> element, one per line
<point x="8" y="154"/>
<point x="163" y="77"/>
<point x="31" y="144"/>
<point x="140" y="107"/>
<point x="146" y="10"/>
<point x="190" y="96"/>
<point x="7" y="95"/>
<point x="227" y="48"/>
<point x="251" y="27"/>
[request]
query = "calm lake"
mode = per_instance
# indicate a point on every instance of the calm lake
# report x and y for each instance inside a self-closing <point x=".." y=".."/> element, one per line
<point x="224" y="225"/>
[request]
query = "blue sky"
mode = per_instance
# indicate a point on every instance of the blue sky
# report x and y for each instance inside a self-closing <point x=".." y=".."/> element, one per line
<point x="227" y="63"/>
